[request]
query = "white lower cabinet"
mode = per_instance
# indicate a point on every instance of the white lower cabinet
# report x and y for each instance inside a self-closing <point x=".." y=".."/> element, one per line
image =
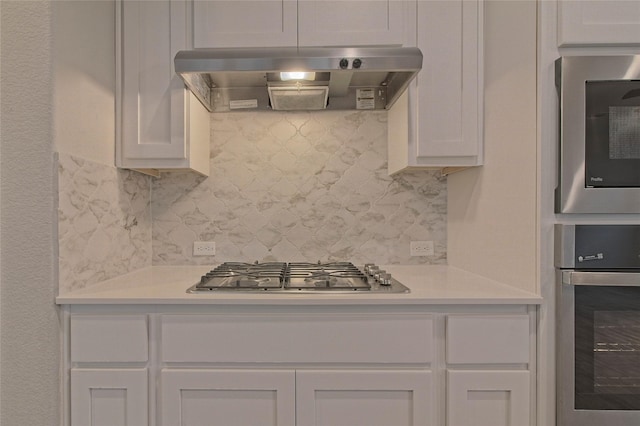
<point x="299" y="366"/>
<point x="342" y="393"/>
<point x="489" y="363"/>
<point x="194" y="397"/>
<point x="364" y="398"/>
<point x="109" y="397"/>
<point x="488" y="398"/>
<point x="108" y="376"/>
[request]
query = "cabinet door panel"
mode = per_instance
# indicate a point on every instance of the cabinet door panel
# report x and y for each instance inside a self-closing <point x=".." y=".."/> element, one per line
<point x="228" y="397"/>
<point x="364" y="398"/>
<point x="488" y="398"/>
<point x="109" y="338"/>
<point x="487" y="339"/>
<point x="267" y="338"/>
<point x="600" y="22"/>
<point x="153" y="97"/>
<point x="109" y="397"/>
<point x="257" y="23"/>
<point x="351" y="23"/>
<point x="450" y="82"/>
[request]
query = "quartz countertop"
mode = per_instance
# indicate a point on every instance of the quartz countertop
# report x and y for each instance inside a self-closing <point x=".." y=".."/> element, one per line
<point x="433" y="284"/>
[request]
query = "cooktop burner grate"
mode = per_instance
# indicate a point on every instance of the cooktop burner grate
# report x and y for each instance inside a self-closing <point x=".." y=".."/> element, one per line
<point x="337" y="275"/>
<point x="232" y="275"/>
<point x="296" y="276"/>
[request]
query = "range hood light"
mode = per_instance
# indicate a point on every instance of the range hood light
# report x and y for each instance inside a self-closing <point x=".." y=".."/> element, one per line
<point x="297" y="75"/>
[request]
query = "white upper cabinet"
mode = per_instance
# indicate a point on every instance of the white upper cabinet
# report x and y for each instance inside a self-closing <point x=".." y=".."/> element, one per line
<point x="258" y="23"/>
<point x="599" y="22"/>
<point x="160" y="124"/>
<point x="355" y="23"/>
<point x="284" y="23"/>
<point x="441" y="114"/>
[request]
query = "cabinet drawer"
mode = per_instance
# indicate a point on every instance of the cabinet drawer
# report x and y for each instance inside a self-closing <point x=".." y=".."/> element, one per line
<point x="494" y="339"/>
<point x="322" y="338"/>
<point x="109" y="338"/>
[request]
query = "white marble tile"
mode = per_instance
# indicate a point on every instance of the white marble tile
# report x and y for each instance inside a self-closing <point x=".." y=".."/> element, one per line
<point x="298" y="186"/>
<point x="104" y="222"/>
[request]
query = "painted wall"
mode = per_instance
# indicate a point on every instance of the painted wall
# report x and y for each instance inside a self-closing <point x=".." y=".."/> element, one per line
<point x="29" y="322"/>
<point x="57" y="83"/>
<point x="492" y="210"/>
<point x="84" y="79"/>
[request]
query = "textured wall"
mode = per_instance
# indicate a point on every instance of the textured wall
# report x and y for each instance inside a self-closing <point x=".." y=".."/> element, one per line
<point x="299" y="186"/>
<point x="104" y="222"/>
<point x="30" y="357"/>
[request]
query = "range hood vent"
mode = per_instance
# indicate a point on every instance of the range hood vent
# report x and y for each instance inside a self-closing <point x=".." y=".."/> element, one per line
<point x="298" y="78"/>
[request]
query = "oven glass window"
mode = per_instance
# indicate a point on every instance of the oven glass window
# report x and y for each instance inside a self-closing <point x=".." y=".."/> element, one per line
<point x="616" y="352"/>
<point x="612" y="133"/>
<point x="607" y="348"/>
<point x="624" y="132"/>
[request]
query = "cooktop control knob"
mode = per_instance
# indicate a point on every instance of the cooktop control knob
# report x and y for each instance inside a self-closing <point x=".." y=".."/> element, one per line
<point x="372" y="269"/>
<point x="378" y="274"/>
<point x="344" y="63"/>
<point x="385" y="279"/>
<point x="357" y="63"/>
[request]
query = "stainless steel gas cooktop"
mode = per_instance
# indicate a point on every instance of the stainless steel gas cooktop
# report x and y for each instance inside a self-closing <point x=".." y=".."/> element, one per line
<point x="333" y="277"/>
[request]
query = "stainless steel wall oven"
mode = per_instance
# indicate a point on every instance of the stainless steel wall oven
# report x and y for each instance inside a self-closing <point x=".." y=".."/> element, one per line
<point x="598" y="334"/>
<point x="599" y="156"/>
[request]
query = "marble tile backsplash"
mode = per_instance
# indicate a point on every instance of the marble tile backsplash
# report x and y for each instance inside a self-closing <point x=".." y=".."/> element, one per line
<point x="104" y="222"/>
<point x="298" y="187"/>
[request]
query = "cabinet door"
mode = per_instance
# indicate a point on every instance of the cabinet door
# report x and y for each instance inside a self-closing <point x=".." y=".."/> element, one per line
<point x="159" y="125"/>
<point x="364" y="398"/>
<point x="227" y="397"/>
<point x="488" y="398"/>
<point x="353" y="22"/>
<point x="450" y="83"/>
<point x="598" y="22"/>
<point x="109" y="397"/>
<point x="255" y="23"/>
<point x="438" y="121"/>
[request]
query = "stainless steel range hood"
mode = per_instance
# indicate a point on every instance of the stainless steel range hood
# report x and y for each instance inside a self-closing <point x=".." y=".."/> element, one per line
<point x="333" y="79"/>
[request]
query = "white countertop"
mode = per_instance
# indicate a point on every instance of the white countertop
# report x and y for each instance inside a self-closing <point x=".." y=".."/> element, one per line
<point x="434" y="284"/>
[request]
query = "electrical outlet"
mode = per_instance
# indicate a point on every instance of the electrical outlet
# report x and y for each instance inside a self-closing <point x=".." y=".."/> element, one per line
<point x="204" y="248"/>
<point x="421" y="248"/>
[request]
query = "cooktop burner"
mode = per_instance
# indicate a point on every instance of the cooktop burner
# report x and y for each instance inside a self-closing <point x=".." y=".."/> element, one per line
<point x="297" y="277"/>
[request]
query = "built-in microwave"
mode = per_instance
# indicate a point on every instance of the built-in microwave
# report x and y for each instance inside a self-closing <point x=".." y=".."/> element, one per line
<point x="599" y="155"/>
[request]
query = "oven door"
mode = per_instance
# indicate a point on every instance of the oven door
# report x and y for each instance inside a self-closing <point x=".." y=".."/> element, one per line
<point x="598" y="346"/>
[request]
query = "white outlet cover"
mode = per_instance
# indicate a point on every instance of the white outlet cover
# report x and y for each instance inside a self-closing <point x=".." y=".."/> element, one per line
<point x="421" y="248"/>
<point x="204" y="248"/>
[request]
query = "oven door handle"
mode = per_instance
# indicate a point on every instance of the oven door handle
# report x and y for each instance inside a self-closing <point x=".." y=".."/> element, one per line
<point x="628" y="279"/>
